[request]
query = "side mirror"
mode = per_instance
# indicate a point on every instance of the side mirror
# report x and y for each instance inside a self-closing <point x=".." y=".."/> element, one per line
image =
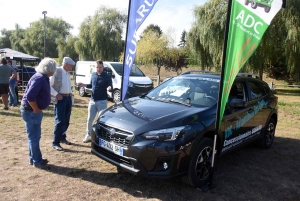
<point x="113" y="76"/>
<point x="237" y="103"/>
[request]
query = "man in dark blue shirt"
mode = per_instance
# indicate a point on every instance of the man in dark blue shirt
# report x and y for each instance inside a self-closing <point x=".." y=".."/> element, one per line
<point x="37" y="98"/>
<point x="100" y="83"/>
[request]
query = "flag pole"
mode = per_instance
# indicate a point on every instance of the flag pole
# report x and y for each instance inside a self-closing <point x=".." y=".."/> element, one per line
<point x="125" y="47"/>
<point x="211" y="172"/>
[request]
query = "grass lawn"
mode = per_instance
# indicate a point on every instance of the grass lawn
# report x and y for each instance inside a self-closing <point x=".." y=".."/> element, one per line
<point x="76" y="174"/>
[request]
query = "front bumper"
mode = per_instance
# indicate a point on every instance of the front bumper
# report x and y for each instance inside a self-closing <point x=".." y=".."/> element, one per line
<point x="146" y="158"/>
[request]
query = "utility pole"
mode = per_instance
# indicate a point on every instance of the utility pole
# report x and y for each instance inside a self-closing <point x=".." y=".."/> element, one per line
<point x="44" y="13"/>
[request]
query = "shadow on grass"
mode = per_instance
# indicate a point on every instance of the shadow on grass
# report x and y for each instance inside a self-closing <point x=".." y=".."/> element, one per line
<point x="255" y="173"/>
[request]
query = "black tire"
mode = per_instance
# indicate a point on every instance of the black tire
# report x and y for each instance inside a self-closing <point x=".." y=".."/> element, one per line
<point x="246" y="2"/>
<point x="82" y="92"/>
<point x="117" y="95"/>
<point x="267" y="9"/>
<point x="253" y="4"/>
<point x="268" y="136"/>
<point x="200" y="164"/>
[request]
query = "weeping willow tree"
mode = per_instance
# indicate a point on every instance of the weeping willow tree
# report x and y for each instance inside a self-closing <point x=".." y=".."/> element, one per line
<point x="100" y="36"/>
<point x="277" y="53"/>
<point x="206" y="36"/>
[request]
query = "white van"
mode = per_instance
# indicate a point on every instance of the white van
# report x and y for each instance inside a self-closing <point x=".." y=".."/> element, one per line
<point x="138" y="82"/>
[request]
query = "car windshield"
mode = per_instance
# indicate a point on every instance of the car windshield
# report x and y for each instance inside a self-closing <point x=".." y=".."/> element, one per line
<point x="135" y="71"/>
<point x="195" y="91"/>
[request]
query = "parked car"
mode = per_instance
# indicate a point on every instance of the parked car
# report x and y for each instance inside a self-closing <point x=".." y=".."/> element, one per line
<point x="139" y="83"/>
<point x="169" y="131"/>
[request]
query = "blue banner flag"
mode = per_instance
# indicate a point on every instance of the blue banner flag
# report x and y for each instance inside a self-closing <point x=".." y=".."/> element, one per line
<point x="138" y="11"/>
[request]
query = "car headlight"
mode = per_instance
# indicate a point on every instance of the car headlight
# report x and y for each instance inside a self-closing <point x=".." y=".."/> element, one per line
<point x="168" y="134"/>
<point x="130" y="84"/>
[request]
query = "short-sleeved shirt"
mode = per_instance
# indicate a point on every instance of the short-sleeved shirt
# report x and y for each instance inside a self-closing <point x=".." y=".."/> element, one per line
<point x="5" y="73"/>
<point x="38" y="90"/>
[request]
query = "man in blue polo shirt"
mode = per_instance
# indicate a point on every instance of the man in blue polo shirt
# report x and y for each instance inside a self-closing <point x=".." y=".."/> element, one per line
<point x="100" y="83"/>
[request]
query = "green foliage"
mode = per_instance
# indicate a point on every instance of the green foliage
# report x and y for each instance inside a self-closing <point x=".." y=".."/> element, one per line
<point x="152" y="28"/>
<point x="67" y="48"/>
<point x="183" y="36"/>
<point x="4" y="39"/>
<point x="56" y="31"/>
<point x="16" y="37"/>
<point x="277" y="53"/>
<point x="100" y="36"/>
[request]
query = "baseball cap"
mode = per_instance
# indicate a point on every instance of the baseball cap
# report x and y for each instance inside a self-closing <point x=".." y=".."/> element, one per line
<point x="68" y="60"/>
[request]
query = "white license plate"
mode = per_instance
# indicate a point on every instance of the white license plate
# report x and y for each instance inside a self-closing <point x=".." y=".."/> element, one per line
<point x="111" y="147"/>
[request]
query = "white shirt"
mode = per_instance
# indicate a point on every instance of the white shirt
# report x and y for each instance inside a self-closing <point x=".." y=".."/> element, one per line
<point x="65" y="85"/>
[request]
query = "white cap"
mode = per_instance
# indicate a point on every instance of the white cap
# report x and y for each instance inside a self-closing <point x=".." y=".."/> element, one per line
<point x="68" y="60"/>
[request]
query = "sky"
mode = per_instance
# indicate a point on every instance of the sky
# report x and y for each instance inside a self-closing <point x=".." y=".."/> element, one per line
<point x="176" y="15"/>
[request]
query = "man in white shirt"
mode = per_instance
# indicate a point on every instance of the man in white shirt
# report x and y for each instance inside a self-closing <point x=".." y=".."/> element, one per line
<point x="60" y="84"/>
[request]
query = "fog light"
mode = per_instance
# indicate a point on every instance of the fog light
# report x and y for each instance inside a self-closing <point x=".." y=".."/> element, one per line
<point x="166" y="166"/>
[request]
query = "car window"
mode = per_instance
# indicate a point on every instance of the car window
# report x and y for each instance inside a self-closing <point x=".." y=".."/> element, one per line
<point x="237" y="91"/>
<point x="257" y="91"/>
<point x="135" y="71"/>
<point x="196" y="91"/>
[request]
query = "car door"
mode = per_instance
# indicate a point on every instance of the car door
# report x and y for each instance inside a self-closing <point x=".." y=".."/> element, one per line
<point x="259" y="99"/>
<point x="237" y="121"/>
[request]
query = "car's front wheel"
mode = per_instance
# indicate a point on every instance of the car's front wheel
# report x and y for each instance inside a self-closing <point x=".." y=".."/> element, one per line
<point x="246" y="2"/>
<point x="268" y="136"/>
<point x="82" y="92"/>
<point x="117" y="95"/>
<point x="200" y="164"/>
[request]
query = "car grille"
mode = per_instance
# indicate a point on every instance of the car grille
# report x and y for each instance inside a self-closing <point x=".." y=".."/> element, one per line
<point x="120" y="137"/>
<point x="143" y="87"/>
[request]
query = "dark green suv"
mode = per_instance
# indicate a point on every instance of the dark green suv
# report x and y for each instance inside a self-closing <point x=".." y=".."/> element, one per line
<point x="169" y="131"/>
<point x="266" y="4"/>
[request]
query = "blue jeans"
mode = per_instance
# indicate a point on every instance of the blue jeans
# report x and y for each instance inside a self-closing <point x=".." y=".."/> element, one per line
<point x="62" y="112"/>
<point x="33" y="123"/>
<point x="94" y="107"/>
<point x="12" y="95"/>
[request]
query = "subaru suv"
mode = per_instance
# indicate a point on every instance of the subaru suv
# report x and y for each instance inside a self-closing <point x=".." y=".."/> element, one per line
<point x="169" y="131"/>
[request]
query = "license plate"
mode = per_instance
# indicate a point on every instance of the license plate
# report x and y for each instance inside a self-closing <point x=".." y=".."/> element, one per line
<point x="111" y="147"/>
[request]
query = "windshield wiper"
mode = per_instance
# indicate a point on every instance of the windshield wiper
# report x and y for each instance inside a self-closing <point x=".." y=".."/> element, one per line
<point x="180" y="102"/>
<point x="166" y="100"/>
<point x="145" y="96"/>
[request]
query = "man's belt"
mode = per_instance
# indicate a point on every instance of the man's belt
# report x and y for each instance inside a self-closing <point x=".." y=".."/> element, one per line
<point x="27" y="107"/>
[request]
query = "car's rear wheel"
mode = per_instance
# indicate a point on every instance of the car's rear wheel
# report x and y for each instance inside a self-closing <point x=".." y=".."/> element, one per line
<point x="117" y="95"/>
<point x="268" y="136"/>
<point x="253" y="4"/>
<point x="200" y="164"/>
<point x="246" y="2"/>
<point x="82" y="92"/>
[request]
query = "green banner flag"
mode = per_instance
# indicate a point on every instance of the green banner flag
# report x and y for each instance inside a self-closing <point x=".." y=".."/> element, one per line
<point x="248" y="21"/>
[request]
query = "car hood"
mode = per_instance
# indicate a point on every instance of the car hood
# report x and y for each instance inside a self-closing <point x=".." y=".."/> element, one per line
<point x="140" y="79"/>
<point x="139" y="115"/>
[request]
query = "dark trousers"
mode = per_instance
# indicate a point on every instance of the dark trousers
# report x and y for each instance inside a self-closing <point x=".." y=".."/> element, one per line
<point x="62" y="111"/>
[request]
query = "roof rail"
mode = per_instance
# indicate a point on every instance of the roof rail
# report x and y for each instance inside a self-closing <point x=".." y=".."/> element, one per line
<point x="249" y="75"/>
<point x="198" y="72"/>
